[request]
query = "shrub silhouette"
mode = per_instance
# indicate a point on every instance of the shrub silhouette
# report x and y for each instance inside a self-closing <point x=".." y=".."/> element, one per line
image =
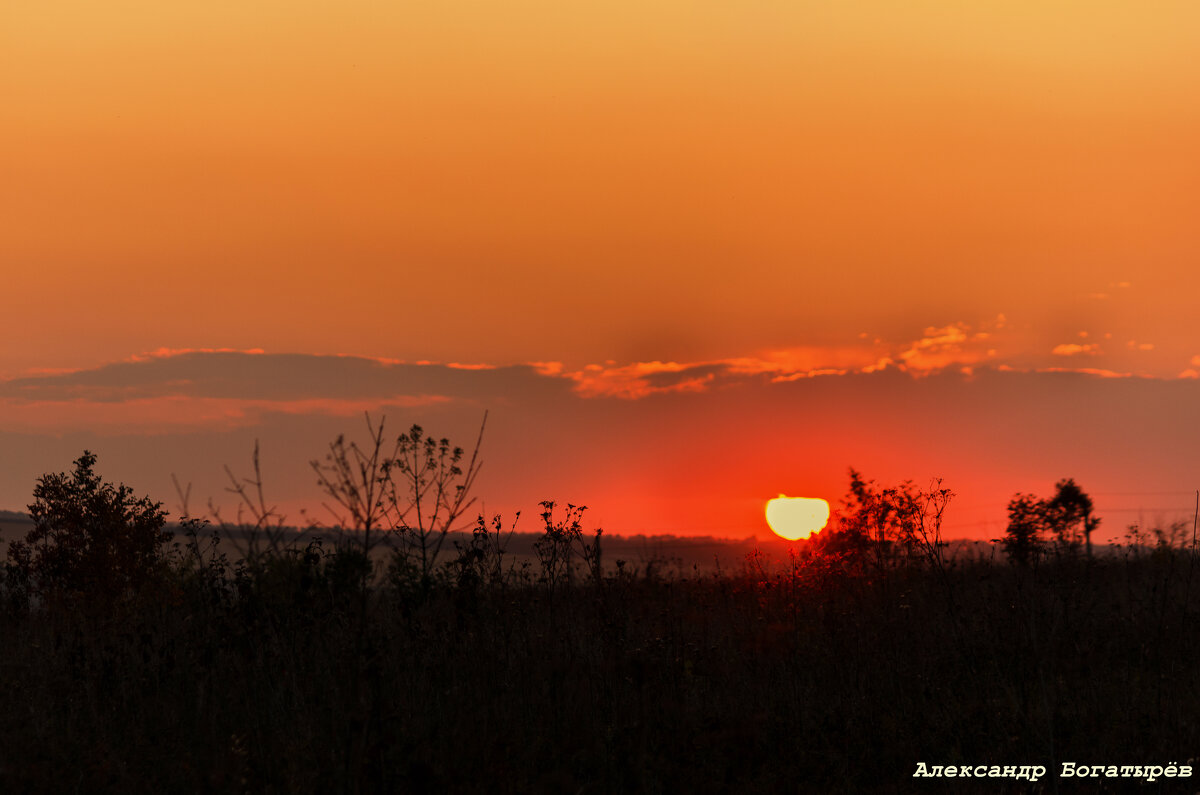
<point x="886" y="527"/>
<point x="90" y="538"/>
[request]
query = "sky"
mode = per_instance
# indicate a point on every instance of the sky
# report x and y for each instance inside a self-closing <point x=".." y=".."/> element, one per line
<point x="686" y="255"/>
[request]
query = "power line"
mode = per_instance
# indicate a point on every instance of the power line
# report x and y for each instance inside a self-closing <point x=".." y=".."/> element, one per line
<point x="1144" y="493"/>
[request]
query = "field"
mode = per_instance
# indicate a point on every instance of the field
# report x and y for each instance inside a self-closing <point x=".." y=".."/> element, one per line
<point x="818" y="673"/>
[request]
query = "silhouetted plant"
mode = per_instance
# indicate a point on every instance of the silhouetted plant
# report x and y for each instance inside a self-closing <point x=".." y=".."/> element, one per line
<point x="426" y="491"/>
<point x="898" y="522"/>
<point x="199" y="563"/>
<point x="1065" y="520"/>
<point x="858" y="529"/>
<point x="1024" y="540"/>
<point x="561" y="540"/>
<point x="417" y="491"/>
<point x="256" y="522"/>
<point x="1069" y="517"/>
<point x="356" y="479"/>
<point x="90" y="538"/>
<point x="480" y="559"/>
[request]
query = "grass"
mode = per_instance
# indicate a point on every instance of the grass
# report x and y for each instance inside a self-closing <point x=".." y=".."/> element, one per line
<point x="814" y="677"/>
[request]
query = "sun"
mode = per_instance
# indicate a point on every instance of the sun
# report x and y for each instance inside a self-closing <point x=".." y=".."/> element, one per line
<point x="794" y="518"/>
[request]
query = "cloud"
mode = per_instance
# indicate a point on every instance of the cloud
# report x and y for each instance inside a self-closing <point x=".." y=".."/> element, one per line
<point x="181" y="413"/>
<point x="226" y="389"/>
<point x="947" y="347"/>
<point x="1074" y="349"/>
<point x="808" y="359"/>
<point x="167" y="353"/>
<point x="1099" y="372"/>
<point x="259" y="376"/>
<point x="547" y="368"/>
<point x="642" y="379"/>
<point x="460" y="366"/>
<point x="956" y="347"/>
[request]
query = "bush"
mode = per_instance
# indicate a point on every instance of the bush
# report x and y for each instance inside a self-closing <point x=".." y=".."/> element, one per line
<point x="90" y="538"/>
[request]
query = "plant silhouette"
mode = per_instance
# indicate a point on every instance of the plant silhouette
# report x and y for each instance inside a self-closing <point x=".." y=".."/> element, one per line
<point x="1065" y="521"/>
<point x="418" y="492"/>
<point x="1069" y="515"/>
<point x="90" y="538"/>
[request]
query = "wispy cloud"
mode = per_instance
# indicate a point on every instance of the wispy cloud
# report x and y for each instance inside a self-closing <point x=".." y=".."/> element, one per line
<point x="167" y="353"/>
<point x="1075" y="349"/>
<point x="1192" y="372"/>
<point x="1099" y="372"/>
<point x="956" y="347"/>
<point x="946" y="347"/>
<point x="641" y="379"/>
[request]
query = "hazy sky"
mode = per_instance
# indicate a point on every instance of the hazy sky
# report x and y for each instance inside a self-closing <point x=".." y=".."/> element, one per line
<point x="649" y="200"/>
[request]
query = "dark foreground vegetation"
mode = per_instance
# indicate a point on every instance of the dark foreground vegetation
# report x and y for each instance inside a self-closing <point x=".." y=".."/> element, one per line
<point x="133" y="663"/>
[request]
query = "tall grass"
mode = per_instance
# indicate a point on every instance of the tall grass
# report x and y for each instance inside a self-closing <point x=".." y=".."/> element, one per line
<point x="801" y="675"/>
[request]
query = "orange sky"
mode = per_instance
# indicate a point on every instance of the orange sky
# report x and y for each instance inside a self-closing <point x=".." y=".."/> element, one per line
<point x="790" y="186"/>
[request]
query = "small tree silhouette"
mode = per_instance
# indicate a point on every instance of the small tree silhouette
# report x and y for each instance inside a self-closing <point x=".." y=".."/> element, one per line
<point x="90" y="538"/>
<point x="1069" y="516"/>
<point x="1023" y="540"/>
<point x="1065" y="519"/>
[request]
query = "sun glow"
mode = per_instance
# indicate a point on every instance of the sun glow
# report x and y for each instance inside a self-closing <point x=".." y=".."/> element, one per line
<point x="794" y="518"/>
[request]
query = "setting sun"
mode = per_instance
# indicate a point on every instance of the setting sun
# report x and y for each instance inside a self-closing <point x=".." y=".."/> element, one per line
<point x="794" y="518"/>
